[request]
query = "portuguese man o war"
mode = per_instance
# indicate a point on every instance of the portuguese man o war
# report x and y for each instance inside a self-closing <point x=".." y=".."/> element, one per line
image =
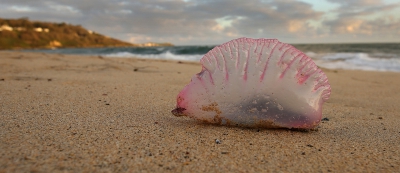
<point x="259" y="83"/>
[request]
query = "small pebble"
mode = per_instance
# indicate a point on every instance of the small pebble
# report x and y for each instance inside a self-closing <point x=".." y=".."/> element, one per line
<point x="217" y="141"/>
<point x="325" y="119"/>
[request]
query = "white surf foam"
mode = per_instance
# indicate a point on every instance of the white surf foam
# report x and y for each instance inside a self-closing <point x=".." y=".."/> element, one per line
<point x="166" y="55"/>
<point x="352" y="61"/>
<point x="355" y="61"/>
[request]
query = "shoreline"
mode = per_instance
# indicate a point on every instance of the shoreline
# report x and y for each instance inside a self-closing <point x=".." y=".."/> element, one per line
<point x="330" y="57"/>
<point x="81" y="113"/>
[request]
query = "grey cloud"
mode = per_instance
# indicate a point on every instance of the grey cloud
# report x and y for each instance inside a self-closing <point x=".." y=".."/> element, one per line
<point x="354" y="8"/>
<point x="356" y="3"/>
<point x="275" y="17"/>
<point x="381" y="26"/>
<point x="350" y="21"/>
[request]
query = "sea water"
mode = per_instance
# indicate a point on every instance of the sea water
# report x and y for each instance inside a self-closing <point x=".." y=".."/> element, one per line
<point x="367" y="56"/>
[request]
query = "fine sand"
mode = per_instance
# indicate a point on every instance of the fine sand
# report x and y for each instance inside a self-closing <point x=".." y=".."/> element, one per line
<point x="64" y="113"/>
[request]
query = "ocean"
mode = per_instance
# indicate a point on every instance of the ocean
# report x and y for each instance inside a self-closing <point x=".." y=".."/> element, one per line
<point x="368" y="56"/>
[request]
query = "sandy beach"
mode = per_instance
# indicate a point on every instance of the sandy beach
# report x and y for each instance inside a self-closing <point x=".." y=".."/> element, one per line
<point x="65" y="113"/>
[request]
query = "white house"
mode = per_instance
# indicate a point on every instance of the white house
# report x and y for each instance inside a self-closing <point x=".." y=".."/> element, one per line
<point x="6" y="28"/>
<point x="38" y="29"/>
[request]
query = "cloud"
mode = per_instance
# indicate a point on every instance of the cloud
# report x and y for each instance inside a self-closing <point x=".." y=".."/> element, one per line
<point x="353" y="8"/>
<point x="356" y="3"/>
<point x="384" y="26"/>
<point x="361" y="18"/>
<point x="206" y="21"/>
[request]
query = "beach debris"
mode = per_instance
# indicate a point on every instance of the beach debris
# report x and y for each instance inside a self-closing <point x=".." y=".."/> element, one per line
<point x="325" y="119"/>
<point x="217" y="141"/>
<point x="144" y="67"/>
<point x="256" y="83"/>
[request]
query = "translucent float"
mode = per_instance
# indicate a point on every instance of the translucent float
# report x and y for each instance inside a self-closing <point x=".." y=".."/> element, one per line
<point x="256" y="83"/>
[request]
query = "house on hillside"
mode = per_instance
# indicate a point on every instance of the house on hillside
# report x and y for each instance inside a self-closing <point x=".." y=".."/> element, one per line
<point x="6" y="28"/>
<point x="38" y="29"/>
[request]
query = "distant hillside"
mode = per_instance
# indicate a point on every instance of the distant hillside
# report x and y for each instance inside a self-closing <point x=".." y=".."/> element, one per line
<point x="25" y="34"/>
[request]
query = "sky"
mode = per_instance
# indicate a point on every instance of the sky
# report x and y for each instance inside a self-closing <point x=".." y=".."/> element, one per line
<point x="211" y="22"/>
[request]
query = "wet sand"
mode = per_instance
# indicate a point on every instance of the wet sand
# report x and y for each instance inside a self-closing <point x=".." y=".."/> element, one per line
<point x="95" y="114"/>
